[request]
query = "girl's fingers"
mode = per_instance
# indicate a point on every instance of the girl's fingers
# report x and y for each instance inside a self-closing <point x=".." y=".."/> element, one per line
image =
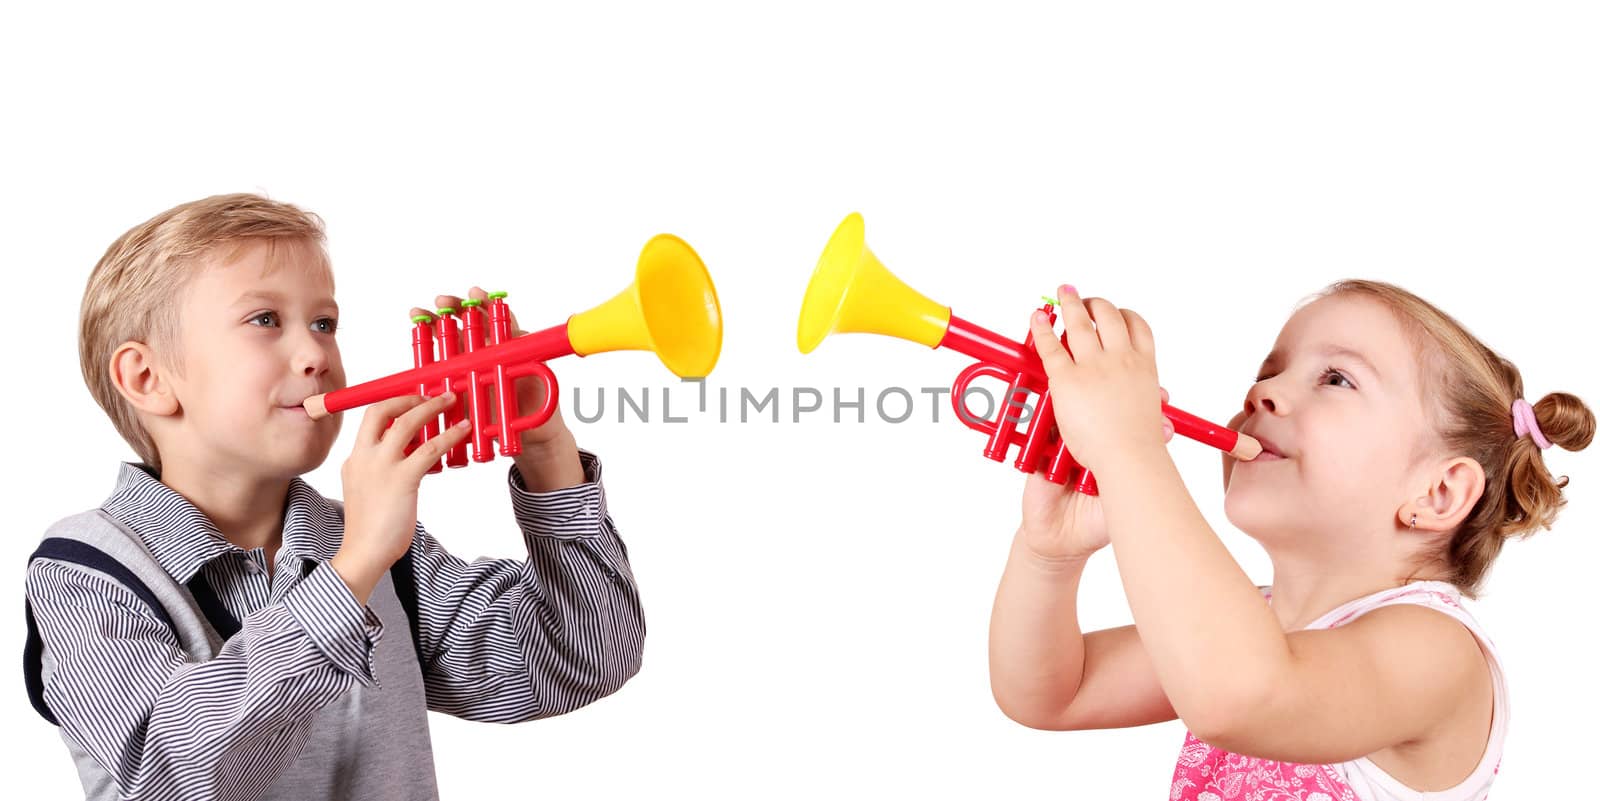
<point x="1140" y="335"/>
<point x="1055" y="357"/>
<point x="1113" y="330"/>
<point x="1081" y="339"/>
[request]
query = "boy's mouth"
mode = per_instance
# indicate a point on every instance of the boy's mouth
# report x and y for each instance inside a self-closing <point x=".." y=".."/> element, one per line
<point x="297" y="410"/>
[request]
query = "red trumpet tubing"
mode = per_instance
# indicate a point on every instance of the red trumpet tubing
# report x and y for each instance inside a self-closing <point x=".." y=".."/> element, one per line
<point x="488" y="357"/>
<point x="1041" y="446"/>
<point x="1018" y="364"/>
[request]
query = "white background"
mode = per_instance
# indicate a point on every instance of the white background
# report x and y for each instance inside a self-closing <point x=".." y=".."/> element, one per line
<point x="818" y="593"/>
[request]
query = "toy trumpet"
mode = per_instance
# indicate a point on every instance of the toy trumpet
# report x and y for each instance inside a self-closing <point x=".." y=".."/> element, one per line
<point x="670" y="309"/>
<point x="852" y="292"/>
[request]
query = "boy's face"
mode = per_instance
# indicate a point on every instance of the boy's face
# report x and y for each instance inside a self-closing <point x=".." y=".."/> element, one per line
<point x="257" y="338"/>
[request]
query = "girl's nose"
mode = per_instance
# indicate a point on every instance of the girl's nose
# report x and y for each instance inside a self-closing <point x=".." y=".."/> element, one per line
<point x="1263" y="395"/>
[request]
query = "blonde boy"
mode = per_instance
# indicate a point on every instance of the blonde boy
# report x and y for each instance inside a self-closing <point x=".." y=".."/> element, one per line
<point x="217" y="628"/>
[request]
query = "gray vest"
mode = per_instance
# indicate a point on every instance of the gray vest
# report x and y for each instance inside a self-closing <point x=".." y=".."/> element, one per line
<point x="369" y="743"/>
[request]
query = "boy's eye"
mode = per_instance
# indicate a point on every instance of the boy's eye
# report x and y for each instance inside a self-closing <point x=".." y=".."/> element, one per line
<point x="268" y="319"/>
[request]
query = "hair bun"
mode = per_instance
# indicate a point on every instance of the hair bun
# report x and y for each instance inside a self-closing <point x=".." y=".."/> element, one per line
<point x="1565" y="420"/>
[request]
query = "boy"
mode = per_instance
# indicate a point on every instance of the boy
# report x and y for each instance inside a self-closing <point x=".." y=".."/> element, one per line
<point x="218" y="629"/>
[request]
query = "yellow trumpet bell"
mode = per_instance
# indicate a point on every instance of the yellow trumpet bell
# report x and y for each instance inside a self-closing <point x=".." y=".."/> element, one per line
<point x="670" y="309"/>
<point x="852" y="292"/>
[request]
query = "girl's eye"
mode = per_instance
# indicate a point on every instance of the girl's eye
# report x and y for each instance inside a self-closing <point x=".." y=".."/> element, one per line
<point x="1325" y="374"/>
<point x="330" y="324"/>
<point x="1336" y="374"/>
<point x="266" y="315"/>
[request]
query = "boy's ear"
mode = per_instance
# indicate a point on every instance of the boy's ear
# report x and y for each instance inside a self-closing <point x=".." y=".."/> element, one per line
<point x="138" y="376"/>
<point x="1455" y="489"/>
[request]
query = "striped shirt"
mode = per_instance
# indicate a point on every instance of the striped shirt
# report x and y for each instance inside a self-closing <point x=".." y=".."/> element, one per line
<point x="501" y="640"/>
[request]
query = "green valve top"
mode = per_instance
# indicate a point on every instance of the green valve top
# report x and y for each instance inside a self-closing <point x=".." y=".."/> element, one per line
<point x="1048" y="299"/>
<point x="471" y="303"/>
<point x="443" y="310"/>
<point x="422" y="318"/>
<point x="496" y="295"/>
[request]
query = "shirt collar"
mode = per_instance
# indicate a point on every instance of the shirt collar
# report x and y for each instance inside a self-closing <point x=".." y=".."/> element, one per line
<point x="183" y="539"/>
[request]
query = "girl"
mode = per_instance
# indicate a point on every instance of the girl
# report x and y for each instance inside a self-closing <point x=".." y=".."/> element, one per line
<point x="1398" y="457"/>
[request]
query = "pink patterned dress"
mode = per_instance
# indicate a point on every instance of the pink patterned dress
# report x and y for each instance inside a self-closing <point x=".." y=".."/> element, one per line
<point x="1212" y="774"/>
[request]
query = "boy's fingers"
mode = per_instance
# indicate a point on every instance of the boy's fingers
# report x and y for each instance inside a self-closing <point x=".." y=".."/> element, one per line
<point x="424" y="457"/>
<point x="1113" y="330"/>
<point x="451" y="301"/>
<point x="1081" y="339"/>
<point x="376" y="419"/>
<point x="408" y="424"/>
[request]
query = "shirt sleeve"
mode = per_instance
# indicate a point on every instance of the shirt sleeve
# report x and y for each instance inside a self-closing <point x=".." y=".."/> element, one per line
<point x="165" y="727"/>
<point x="507" y="640"/>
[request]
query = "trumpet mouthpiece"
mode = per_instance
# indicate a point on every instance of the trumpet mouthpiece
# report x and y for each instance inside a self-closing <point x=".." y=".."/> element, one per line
<point x="316" y="406"/>
<point x="1245" y="449"/>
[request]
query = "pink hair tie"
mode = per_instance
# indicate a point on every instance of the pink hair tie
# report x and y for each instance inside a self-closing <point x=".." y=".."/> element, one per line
<point x="1524" y="422"/>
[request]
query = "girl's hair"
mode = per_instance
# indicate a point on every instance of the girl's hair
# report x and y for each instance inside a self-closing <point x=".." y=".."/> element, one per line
<point x="1468" y="390"/>
<point x="136" y="291"/>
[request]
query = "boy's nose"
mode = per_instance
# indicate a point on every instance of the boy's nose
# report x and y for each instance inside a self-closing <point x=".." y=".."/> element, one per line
<point x="313" y="358"/>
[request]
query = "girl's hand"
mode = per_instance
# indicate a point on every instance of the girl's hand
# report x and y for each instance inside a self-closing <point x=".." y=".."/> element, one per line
<point x="530" y="390"/>
<point x="1059" y="524"/>
<point x="1103" y="383"/>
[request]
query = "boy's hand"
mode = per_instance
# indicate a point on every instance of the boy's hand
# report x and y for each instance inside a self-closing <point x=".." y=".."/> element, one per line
<point x="380" y="486"/>
<point x="1103" y="383"/>
<point x="1059" y="524"/>
<point x="530" y="390"/>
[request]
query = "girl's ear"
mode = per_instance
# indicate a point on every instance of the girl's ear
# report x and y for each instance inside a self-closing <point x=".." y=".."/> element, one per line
<point x="1456" y="487"/>
<point x="138" y="377"/>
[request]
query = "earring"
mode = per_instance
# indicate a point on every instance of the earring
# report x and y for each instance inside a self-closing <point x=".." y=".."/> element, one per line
<point x="1413" y="520"/>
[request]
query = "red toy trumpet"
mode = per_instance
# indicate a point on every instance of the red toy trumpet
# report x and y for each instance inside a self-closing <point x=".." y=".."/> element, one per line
<point x="852" y="292"/>
<point x="670" y="309"/>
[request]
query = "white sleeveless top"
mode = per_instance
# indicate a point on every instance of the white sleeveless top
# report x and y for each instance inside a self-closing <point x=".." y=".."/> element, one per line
<point x="1205" y="773"/>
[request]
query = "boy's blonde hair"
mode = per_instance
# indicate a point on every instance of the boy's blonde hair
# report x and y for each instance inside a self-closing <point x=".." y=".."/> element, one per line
<point x="1468" y="390"/>
<point x="135" y="291"/>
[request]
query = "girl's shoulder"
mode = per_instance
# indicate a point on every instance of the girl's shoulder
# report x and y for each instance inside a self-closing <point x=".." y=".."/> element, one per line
<point x="1438" y="595"/>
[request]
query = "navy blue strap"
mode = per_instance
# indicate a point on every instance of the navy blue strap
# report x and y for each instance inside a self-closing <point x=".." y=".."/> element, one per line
<point x="404" y="576"/>
<point x="78" y="553"/>
<point x="211" y="606"/>
<point x="223" y="621"/>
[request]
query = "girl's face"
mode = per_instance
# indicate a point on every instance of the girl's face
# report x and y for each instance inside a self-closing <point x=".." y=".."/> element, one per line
<point x="1339" y="409"/>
